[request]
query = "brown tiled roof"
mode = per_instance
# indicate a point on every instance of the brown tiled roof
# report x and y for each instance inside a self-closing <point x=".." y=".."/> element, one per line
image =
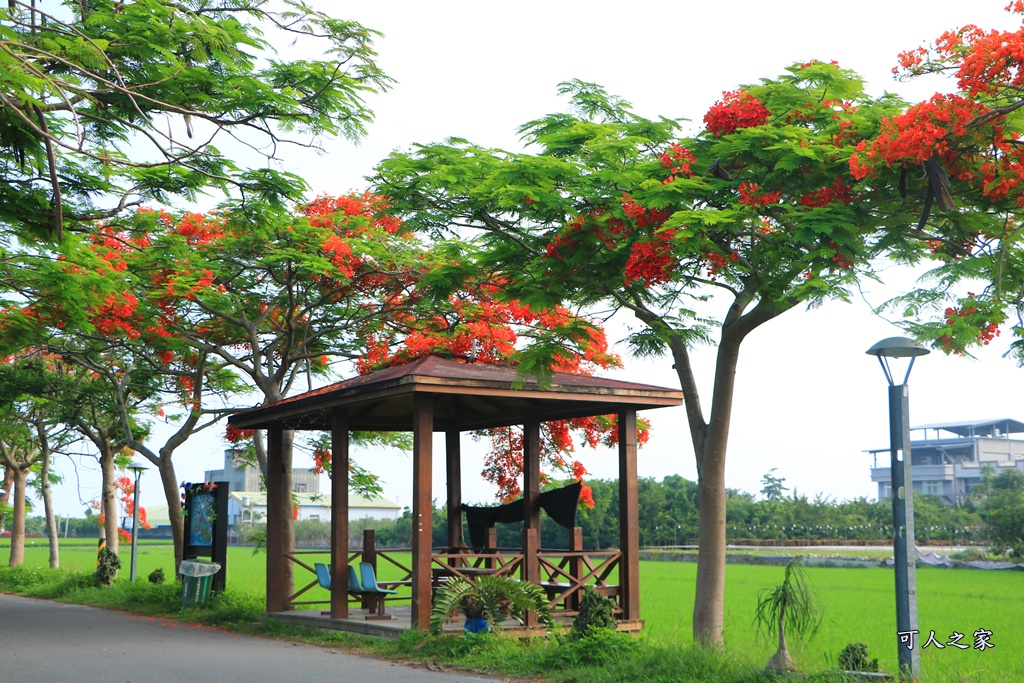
<point x="467" y="396"/>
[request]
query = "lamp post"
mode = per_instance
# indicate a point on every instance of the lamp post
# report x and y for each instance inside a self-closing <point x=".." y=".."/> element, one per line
<point x="904" y="550"/>
<point x="137" y="468"/>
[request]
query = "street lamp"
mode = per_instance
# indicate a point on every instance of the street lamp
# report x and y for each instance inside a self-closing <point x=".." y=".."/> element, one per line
<point x="138" y="469"/>
<point x="904" y="550"/>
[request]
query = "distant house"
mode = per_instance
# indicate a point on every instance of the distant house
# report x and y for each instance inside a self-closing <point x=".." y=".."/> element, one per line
<point x="246" y="477"/>
<point x="245" y="506"/>
<point x="948" y="458"/>
<point x="247" y="502"/>
<point x="159" y="523"/>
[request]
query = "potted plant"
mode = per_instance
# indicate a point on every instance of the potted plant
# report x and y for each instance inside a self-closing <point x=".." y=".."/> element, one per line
<point x="490" y="600"/>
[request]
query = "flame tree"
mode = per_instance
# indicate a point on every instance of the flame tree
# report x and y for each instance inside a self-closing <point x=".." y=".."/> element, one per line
<point x="703" y="238"/>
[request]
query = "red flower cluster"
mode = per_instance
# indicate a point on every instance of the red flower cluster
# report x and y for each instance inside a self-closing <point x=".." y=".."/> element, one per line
<point x="737" y="109"/>
<point x="355" y="213"/>
<point x="234" y="434"/>
<point x="651" y="261"/>
<point x="969" y="313"/>
<point x="677" y="159"/>
<point x="988" y="61"/>
<point x="321" y="460"/>
<point x="340" y="252"/>
<point x="839" y="259"/>
<point x="200" y="229"/>
<point x="920" y="133"/>
<point x="717" y="262"/>
<point x="117" y="316"/>
<point x="751" y="195"/>
<point x="830" y="194"/>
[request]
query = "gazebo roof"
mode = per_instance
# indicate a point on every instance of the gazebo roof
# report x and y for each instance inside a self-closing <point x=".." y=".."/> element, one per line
<point x="467" y="396"/>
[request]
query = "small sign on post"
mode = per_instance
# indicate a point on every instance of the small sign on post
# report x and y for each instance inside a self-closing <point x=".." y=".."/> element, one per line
<point x="206" y="526"/>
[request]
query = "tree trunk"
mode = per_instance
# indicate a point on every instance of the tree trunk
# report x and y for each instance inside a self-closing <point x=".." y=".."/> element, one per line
<point x="172" y="493"/>
<point x="781" y="661"/>
<point x="709" y="602"/>
<point x="52" y="529"/>
<point x="6" y="487"/>
<point x="108" y="499"/>
<point x="288" y="522"/>
<point x="710" y="446"/>
<point x="18" y="519"/>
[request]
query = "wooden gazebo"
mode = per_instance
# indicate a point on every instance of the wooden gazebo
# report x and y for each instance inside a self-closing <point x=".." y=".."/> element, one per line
<point x="435" y="394"/>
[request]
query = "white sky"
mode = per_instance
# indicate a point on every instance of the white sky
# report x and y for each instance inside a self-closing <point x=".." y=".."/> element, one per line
<point x="808" y="400"/>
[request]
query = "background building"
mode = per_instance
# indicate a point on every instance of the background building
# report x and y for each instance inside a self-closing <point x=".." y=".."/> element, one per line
<point x="246" y="506"/>
<point x="247" y="502"/>
<point x="948" y="458"/>
<point x="246" y="477"/>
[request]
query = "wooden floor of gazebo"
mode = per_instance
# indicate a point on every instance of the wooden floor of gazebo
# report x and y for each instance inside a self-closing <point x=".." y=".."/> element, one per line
<point x="392" y="628"/>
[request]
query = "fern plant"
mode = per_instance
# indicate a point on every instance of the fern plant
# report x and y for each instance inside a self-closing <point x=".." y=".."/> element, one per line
<point x="495" y="597"/>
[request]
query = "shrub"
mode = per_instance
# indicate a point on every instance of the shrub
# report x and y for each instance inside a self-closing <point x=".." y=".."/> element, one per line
<point x="157" y="575"/>
<point x="854" y="657"/>
<point x="597" y="613"/>
<point x="109" y="564"/>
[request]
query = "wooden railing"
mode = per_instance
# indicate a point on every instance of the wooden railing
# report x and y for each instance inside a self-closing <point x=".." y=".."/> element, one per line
<point x="296" y="558"/>
<point x="565" y="574"/>
<point x="369" y="553"/>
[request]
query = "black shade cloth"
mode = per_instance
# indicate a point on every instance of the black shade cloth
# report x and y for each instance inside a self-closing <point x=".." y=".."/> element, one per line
<point x="560" y="504"/>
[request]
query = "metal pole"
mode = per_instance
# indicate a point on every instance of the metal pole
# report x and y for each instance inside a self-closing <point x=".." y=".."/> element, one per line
<point x="904" y="550"/>
<point x="135" y="525"/>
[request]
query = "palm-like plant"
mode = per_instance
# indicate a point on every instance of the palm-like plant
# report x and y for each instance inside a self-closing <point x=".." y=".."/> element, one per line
<point x="495" y="597"/>
<point x="790" y="605"/>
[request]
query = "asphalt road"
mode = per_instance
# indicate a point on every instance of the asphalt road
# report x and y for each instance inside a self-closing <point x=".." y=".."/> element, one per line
<point x="53" y="643"/>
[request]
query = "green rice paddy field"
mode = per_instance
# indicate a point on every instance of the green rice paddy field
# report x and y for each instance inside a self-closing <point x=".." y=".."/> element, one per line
<point x="858" y="605"/>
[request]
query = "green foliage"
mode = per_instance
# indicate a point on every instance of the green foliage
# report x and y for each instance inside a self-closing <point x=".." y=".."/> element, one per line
<point x="117" y="103"/>
<point x="157" y="575"/>
<point x="598" y="647"/>
<point x="109" y="564"/>
<point x="495" y="597"/>
<point x="234" y="608"/>
<point x="772" y="486"/>
<point x="854" y="657"/>
<point x="596" y="614"/>
<point x="1002" y="511"/>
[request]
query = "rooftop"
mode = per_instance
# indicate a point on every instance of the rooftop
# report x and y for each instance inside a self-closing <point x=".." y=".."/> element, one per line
<point x="467" y="396"/>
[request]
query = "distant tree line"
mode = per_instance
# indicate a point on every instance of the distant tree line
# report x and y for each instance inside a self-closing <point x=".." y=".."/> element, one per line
<point x="994" y="517"/>
<point x="669" y="517"/>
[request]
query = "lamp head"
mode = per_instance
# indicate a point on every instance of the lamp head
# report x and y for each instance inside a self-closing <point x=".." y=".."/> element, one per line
<point x="137" y="467"/>
<point x="897" y="347"/>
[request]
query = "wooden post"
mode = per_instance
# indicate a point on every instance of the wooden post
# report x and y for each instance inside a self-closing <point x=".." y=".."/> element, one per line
<point x="339" y="515"/>
<point x="422" y="507"/>
<point x="531" y="507"/>
<point x="277" y="497"/>
<point x="629" y="534"/>
<point x="491" y="548"/>
<point x="453" y="466"/>
<point x="575" y="564"/>
<point x="370" y="555"/>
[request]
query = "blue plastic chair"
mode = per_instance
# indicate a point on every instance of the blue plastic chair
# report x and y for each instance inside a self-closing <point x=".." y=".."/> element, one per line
<point x="369" y="581"/>
<point x="323" y="574"/>
<point x="353" y="581"/>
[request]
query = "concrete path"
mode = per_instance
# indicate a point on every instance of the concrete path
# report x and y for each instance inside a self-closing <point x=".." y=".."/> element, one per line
<point x="53" y="643"/>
